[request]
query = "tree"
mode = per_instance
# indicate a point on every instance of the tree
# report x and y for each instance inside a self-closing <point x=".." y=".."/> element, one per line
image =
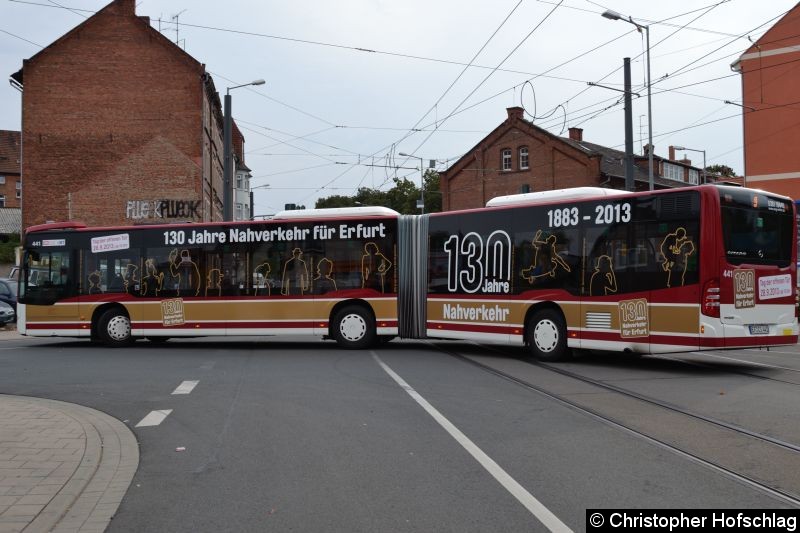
<point x="402" y="197"/>
<point x="721" y="170"/>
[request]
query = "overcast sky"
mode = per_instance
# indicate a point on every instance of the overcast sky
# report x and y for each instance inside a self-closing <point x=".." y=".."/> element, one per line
<point x="329" y="108"/>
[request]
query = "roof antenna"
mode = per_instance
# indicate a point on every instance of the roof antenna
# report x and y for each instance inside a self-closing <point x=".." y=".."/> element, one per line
<point x="177" y="26"/>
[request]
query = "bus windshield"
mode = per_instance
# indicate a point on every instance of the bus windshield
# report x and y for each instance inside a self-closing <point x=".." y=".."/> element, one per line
<point x="756" y="228"/>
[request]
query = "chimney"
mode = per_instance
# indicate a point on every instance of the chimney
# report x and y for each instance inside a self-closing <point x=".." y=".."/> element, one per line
<point x="576" y="134"/>
<point x="515" y="112"/>
<point x="126" y="7"/>
<point x="671" y="153"/>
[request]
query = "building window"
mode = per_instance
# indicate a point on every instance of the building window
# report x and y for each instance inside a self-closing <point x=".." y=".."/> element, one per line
<point x="2" y="200"/>
<point x="19" y="193"/>
<point x="238" y="181"/>
<point x="2" y="180"/>
<point x="523" y="158"/>
<point x="238" y="211"/>
<point x="19" y="185"/>
<point x="506" y="159"/>
<point x="673" y="172"/>
<point x="694" y="176"/>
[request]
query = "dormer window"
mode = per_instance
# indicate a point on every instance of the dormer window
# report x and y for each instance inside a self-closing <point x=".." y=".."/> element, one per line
<point x="506" y="159"/>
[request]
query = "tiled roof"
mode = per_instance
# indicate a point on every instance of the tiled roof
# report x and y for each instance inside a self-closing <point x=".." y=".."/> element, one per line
<point x="9" y="152"/>
<point x="10" y="219"/>
<point x="612" y="163"/>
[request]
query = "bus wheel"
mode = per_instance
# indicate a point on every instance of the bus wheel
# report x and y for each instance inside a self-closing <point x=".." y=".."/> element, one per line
<point x="354" y="328"/>
<point x="547" y="336"/>
<point x="114" y="328"/>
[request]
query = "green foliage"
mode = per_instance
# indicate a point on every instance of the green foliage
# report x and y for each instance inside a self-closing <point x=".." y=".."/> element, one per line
<point x="721" y="170"/>
<point x="7" y="248"/>
<point x="402" y="197"/>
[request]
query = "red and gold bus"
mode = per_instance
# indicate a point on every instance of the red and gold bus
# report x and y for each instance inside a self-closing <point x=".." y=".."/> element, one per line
<point x="693" y="268"/>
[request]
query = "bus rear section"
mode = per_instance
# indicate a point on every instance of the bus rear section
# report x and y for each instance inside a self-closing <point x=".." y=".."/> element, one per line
<point x="753" y="301"/>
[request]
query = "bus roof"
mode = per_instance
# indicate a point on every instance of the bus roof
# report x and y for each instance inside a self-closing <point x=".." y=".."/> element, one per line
<point x="549" y="196"/>
<point x="336" y="212"/>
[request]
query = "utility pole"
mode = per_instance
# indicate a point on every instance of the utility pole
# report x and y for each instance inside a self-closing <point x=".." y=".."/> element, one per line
<point x="629" y="166"/>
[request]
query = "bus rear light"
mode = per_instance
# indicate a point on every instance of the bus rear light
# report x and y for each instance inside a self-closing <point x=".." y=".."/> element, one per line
<point x="711" y="298"/>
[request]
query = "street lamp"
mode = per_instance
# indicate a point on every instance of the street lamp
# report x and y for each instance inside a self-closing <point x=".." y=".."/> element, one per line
<point x="421" y="178"/>
<point x="613" y="15"/>
<point x="684" y="149"/>
<point x="227" y="163"/>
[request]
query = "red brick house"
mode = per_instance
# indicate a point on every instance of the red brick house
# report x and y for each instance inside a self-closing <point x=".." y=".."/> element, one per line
<point x="10" y="161"/>
<point x="771" y="113"/>
<point x="119" y="126"/>
<point x="521" y="157"/>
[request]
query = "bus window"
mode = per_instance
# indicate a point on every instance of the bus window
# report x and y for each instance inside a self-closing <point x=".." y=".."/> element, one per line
<point x="47" y="278"/>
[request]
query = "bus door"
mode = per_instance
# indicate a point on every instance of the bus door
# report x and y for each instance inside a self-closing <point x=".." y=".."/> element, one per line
<point x="757" y="285"/>
<point x="51" y="290"/>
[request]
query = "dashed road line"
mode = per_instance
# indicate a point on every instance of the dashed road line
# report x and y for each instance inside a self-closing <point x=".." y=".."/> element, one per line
<point x="185" y="387"/>
<point x="154" y="418"/>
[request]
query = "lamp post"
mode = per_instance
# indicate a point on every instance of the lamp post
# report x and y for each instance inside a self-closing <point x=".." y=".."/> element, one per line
<point x="227" y="162"/>
<point x="421" y="178"/>
<point x="613" y="15"/>
<point x="684" y="149"/>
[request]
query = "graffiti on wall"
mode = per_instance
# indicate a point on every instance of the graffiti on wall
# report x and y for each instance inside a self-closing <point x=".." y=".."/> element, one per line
<point x="162" y="209"/>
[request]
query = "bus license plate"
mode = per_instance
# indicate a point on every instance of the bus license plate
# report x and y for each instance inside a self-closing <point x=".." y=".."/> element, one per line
<point x="759" y="329"/>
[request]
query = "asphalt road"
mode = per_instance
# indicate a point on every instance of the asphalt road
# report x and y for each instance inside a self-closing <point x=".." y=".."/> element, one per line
<point x="298" y="435"/>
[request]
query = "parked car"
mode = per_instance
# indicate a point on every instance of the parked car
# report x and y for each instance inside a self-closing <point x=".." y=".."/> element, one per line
<point x="8" y="292"/>
<point x="7" y="314"/>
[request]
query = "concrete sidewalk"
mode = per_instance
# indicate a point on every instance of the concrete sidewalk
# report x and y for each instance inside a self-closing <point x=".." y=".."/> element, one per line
<point x="63" y="467"/>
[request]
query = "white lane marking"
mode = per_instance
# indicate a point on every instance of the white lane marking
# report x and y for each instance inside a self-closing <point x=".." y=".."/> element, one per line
<point x="185" y="387"/>
<point x="154" y="418"/>
<point x="748" y="362"/>
<point x="208" y="365"/>
<point x="533" y="505"/>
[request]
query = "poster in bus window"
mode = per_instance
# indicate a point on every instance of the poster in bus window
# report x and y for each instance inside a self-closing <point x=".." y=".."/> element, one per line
<point x="675" y="251"/>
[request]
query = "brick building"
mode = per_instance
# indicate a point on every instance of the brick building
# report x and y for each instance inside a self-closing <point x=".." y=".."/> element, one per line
<point x="771" y="113"/>
<point x="10" y="161"/>
<point x="120" y="126"/>
<point x="521" y="157"/>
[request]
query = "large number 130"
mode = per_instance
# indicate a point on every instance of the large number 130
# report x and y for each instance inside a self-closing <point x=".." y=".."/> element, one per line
<point x="470" y="262"/>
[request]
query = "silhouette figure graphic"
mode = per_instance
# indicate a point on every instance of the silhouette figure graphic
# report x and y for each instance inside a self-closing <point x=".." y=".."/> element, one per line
<point x="152" y="280"/>
<point x="185" y="273"/>
<point x="603" y="280"/>
<point x="324" y="282"/>
<point x="214" y="282"/>
<point x="374" y="266"/>
<point x="264" y="270"/>
<point x="94" y="283"/>
<point x="676" y="249"/>
<point x="546" y="260"/>
<point x="295" y="274"/>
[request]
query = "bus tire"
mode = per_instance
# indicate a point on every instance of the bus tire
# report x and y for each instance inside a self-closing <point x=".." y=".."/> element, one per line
<point x="354" y="327"/>
<point x="114" y="327"/>
<point x="547" y="336"/>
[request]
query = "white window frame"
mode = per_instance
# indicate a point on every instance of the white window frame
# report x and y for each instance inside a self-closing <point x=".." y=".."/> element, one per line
<point x="524" y="162"/>
<point x="505" y="158"/>
<point x="2" y="200"/>
<point x="673" y="172"/>
<point x="694" y="176"/>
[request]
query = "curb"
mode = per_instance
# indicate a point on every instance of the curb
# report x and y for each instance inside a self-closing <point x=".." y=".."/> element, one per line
<point x="91" y="492"/>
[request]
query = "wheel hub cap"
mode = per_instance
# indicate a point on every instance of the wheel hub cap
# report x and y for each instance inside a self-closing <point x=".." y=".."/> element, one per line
<point x="353" y="327"/>
<point x="545" y="335"/>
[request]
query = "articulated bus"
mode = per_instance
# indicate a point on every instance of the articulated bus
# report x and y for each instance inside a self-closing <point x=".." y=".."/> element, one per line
<point x="706" y="267"/>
